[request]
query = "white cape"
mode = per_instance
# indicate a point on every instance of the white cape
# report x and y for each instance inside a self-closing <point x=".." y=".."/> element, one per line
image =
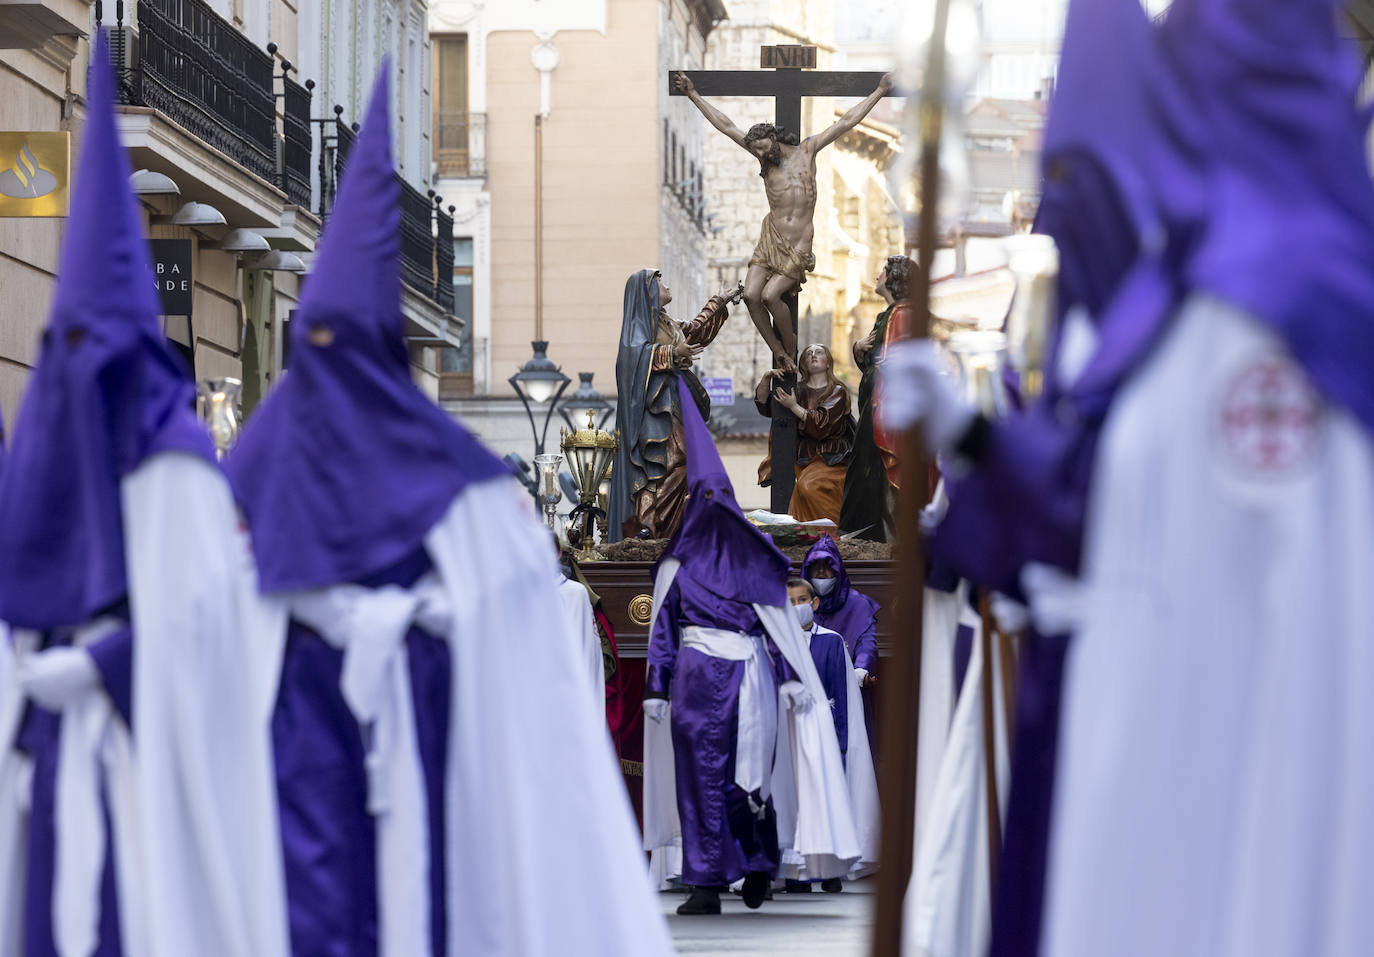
<point x="816" y="828"/>
<point x="1217" y="758"/>
<point x="201" y="713"/>
<point x="860" y="777"/>
<point x="948" y="903"/>
<point x="941" y="613"/>
<point x="543" y="855"/>
<point x="577" y="606"/>
<point x="16" y="771"/>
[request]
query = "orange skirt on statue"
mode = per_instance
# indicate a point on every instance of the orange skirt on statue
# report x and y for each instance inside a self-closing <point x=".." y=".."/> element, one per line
<point x="818" y="492"/>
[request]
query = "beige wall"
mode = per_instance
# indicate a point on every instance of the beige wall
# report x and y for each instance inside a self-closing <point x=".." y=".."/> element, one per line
<point x="601" y="202"/>
<point x="33" y="93"/>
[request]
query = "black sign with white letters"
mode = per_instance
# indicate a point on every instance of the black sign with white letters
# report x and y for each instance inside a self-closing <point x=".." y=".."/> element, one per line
<point x="172" y="265"/>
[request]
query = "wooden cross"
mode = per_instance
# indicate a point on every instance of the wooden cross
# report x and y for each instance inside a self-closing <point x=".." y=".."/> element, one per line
<point x="787" y="86"/>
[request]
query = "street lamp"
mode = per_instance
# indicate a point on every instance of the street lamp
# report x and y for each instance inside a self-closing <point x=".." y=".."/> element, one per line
<point x="585" y="401"/>
<point x="539" y="380"/>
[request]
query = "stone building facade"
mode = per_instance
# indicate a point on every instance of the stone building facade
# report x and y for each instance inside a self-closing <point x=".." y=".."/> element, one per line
<point x="621" y="185"/>
<point x="259" y="168"/>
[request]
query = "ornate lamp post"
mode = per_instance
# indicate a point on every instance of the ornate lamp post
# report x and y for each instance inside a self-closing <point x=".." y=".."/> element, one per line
<point x="539" y="381"/>
<point x="590" y="452"/>
<point x="583" y="400"/>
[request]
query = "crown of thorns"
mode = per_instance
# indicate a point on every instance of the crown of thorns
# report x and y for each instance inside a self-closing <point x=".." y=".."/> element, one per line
<point x="763" y="131"/>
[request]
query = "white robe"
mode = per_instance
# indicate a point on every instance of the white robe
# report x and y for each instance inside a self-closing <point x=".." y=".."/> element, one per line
<point x="543" y="853"/>
<point x="201" y="714"/>
<point x="1217" y="757"/>
<point x="860" y="776"/>
<point x="577" y="605"/>
<point x="16" y="774"/>
<point x="948" y="904"/>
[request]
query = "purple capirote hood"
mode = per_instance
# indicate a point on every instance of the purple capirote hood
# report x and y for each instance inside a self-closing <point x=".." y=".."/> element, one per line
<point x="347" y="465"/>
<point x="106" y="394"/>
<point x="845" y="610"/>
<point x="717" y="545"/>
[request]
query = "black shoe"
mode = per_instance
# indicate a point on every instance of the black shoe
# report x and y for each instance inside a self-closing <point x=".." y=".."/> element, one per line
<point x="704" y="900"/>
<point x="796" y="887"/>
<point x="755" y="888"/>
<point x="832" y="886"/>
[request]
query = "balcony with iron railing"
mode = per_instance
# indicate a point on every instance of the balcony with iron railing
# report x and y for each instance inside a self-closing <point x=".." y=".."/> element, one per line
<point x="194" y="92"/>
<point x="426" y="228"/>
<point x="203" y="75"/>
<point x="460" y="144"/>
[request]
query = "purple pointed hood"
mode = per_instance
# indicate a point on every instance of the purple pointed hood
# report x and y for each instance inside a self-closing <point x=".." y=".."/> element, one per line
<point x="1290" y="223"/>
<point x="1097" y="204"/>
<point x="347" y="465"/>
<point x="106" y="394"/>
<point x="717" y="545"/>
<point x="844" y="609"/>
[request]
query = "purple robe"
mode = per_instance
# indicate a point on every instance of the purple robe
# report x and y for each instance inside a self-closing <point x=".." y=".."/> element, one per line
<point x="39" y="737"/>
<point x="827" y="651"/>
<point x="855" y="616"/>
<point x="328" y="836"/>
<point x="722" y="840"/>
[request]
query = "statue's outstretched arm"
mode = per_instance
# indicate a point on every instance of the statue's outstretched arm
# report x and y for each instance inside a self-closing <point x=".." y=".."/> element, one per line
<point x="713" y="116"/>
<point x="850" y="119"/>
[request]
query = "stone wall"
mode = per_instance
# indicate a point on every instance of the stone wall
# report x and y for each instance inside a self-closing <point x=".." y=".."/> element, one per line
<point x="35" y="98"/>
<point x="682" y="242"/>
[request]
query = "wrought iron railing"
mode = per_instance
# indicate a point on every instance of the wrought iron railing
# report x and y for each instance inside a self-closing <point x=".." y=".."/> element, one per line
<point x="460" y="144"/>
<point x="296" y="140"/>
<point x="205" y="76"/>
<point x="443" y="255"/>
<point x="417" y="239"/>
<point x="426" y="230"/>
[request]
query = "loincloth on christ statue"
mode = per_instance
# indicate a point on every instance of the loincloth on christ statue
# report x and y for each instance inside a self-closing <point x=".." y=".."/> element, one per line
<point x="779" y="256"/>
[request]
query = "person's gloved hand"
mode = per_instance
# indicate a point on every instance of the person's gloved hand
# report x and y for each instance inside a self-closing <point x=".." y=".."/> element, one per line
<point x="934" y="513"/>
<point x="914" y="386"/>
<point x="656" y="709"/>
<point x="58" y="676"/>
<point x="796" y="697"/>
<point x="1055" y="596"/>
<point x="1011" y="616"/>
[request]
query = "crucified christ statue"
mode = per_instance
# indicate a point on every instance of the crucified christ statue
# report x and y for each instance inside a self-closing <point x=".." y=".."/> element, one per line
<point x="783" y="255"/>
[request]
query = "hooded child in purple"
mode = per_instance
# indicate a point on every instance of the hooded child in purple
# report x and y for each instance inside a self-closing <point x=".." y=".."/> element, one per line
<point x="848" y="611"/>
<point x="340" y="474"/>
<point x="727" y="566"/>
<point x="105" y="395"/>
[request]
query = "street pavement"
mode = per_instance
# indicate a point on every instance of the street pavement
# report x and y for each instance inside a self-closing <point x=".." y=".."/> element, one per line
<point x="792" y="925"/>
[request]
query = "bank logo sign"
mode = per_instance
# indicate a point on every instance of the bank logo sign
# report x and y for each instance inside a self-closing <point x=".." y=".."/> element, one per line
<point x="34" y="170"/>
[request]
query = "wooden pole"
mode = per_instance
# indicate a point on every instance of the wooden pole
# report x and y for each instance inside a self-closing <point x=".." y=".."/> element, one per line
<point x="901" y="697"/>
<point x="1007" y="646"/>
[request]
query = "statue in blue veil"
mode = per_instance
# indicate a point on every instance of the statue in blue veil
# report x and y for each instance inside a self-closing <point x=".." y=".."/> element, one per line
<point x="649" y="479"/>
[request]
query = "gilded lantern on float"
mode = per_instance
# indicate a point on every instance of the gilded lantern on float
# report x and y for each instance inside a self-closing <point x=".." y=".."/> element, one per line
<point x="591" y="452"/>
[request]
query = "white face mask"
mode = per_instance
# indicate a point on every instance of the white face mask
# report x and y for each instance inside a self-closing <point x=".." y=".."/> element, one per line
<point x="823" y="586"/>
<point x="804" y="613"/>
